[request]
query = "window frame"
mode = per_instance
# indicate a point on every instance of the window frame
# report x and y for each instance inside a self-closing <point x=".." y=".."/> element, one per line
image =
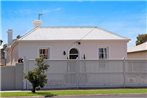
<point x="48" y="52"/>
<point x="104" y="52"/>
<point x="73" y="54"/>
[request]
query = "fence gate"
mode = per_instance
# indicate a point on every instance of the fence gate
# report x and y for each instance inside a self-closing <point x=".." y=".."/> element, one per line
<point x="71" y="76"/>
<point x="76" y="73"/>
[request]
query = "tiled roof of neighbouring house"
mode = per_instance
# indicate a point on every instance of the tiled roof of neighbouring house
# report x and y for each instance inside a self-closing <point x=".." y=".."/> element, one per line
<point x="141" y="47"/>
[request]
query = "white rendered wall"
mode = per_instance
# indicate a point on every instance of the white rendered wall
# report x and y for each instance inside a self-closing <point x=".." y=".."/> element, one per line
<point x="30" y="50"/>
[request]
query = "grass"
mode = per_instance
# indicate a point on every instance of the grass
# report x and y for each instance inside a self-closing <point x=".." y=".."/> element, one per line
<point x="75" y="92"/>
<point x="17" y="94"/>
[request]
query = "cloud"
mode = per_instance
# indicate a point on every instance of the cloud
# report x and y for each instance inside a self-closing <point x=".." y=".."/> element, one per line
<point x="31" y="12"/>
<point x="46" y="11"/>
<point x="23" y="11"/>
<point x="130" y="26"/>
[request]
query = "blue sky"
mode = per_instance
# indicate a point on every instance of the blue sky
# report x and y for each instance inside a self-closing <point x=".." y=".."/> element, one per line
<point x="126" y="18"/>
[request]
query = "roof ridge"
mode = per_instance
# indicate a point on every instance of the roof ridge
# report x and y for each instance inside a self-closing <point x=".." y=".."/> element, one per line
<point x="69" y="27"/>
<point x="85" y="29"/>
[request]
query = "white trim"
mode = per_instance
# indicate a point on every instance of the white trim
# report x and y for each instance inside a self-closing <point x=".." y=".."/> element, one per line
<point x="44" y="47"/>
<point x="77" y="50"/>
<point x="107" y="48"/>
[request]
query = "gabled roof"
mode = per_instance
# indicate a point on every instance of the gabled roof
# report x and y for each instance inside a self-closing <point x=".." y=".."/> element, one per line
<point x="70" y="33"/>
<point x="138" y="48"/>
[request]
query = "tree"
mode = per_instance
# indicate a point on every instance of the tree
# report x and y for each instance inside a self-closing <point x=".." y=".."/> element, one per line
<point x="37" y="76"/>
<point x="141" y="38"/>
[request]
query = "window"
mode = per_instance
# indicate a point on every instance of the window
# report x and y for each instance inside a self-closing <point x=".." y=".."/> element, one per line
<point x="73" y="53"/>
<point x="44" y="53"/>
<point x="103" y="53"/>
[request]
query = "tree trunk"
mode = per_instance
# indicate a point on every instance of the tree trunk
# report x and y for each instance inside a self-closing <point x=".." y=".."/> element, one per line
<point x="34" y="89"/>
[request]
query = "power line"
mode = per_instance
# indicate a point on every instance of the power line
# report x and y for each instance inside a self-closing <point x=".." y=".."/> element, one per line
<point x="81" y="37"/>
<point x="86" y="34"/>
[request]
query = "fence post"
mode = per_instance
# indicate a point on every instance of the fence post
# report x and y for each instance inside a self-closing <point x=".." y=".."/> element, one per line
<point x="77" y="73"/>
<point x="124" y="73"/>
<point x="24" y="72"/>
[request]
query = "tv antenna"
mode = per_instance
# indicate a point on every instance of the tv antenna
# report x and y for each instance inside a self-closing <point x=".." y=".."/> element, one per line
<point x="39" y="16"/>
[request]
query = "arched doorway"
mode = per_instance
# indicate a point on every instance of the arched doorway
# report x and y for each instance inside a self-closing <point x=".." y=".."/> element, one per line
<point x="73" y="53"/>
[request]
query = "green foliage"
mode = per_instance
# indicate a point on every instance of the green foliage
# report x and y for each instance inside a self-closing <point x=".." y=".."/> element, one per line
<point x="41" y="65"/>
<point x="37" y="76"/>
<point x="141" y="38"/>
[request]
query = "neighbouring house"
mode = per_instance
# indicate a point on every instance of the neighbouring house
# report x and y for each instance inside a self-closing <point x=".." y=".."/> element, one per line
<point x="62" y="43"/>
<point x="2" y="56"/>
<point x="138" y="52"/>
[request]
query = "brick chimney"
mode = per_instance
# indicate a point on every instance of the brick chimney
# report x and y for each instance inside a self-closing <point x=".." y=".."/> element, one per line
<point x="10" y="36"/>
<point x="37" y="23"/>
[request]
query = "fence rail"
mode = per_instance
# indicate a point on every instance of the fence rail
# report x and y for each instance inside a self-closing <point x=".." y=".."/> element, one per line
<point x="92" y="73"/>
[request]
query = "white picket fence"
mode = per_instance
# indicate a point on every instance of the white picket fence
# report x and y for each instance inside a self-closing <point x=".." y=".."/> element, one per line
<point x="92" y="73"/>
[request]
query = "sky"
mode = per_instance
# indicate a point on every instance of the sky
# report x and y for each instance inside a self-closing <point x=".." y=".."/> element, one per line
<point x="126" y="18"/>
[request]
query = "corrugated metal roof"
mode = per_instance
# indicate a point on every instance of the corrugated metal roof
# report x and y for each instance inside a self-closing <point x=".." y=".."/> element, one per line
<point x="71" y="33"/>
<point x="141" y="47"/>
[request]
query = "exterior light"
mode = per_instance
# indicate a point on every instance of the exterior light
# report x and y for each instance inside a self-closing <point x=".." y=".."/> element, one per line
<point x="78" y="42"/>
<point x="64" y="53"/>
<point x="84" y="57"/>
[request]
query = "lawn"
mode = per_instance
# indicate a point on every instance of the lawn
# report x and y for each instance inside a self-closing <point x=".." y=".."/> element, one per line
<point x="75" y="92"/>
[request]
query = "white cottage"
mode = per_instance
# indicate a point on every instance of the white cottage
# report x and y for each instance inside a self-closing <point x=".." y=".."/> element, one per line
<point x="86" y="44"/>
<point x="61" y="43"/>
